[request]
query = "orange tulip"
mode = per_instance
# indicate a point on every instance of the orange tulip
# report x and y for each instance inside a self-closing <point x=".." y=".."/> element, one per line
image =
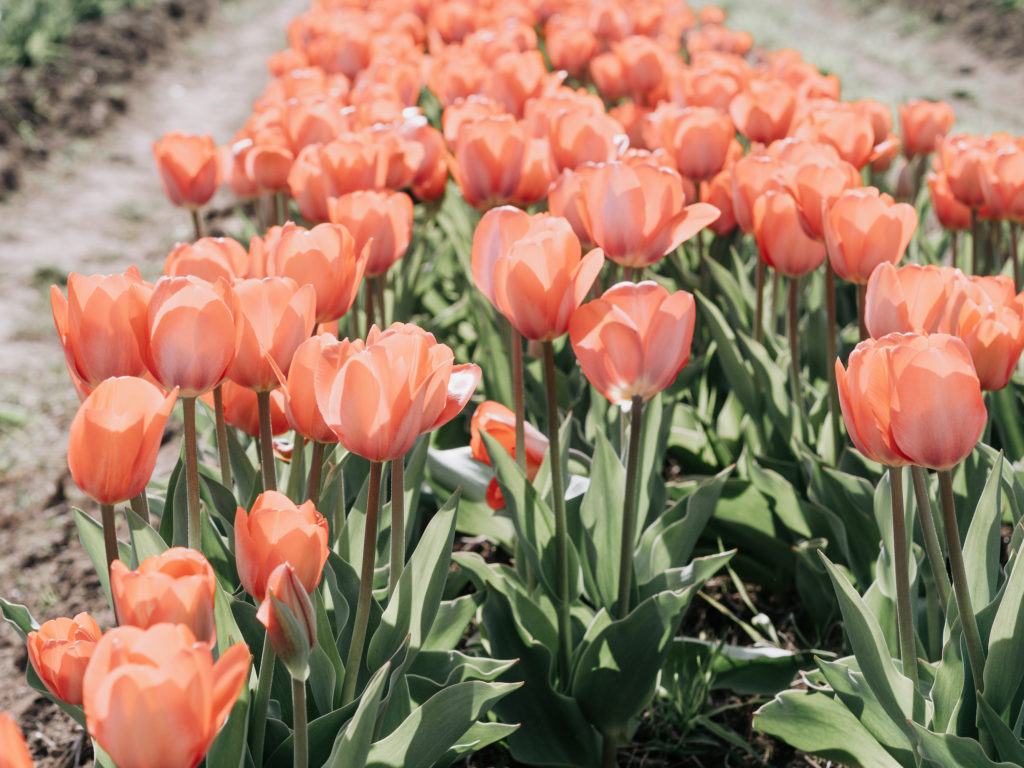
<point x="379" y="221"/>
<point x="241" y="409"/>
<point x="911" y="299"/>
<point x="189" y="334"/>
<point x="635" y="213"/>
<point x="816" y="185"/>
<point x="320" y="356"/>
<point x="398" y="385"/>
<point x="699" y="138"/>
<point x="494" y="235"/>
<point x="277" y="531"/>
<point x="543" y="278"/>
<point x="783" y="237"/>
<point x="209" y="258"/>
<point x="964" y="160"/>
<point x="13" y="749"/>
<point x="115" y="437"/>
<point x="951" y="213"/>
<point x="752" y="175"/>
<point x="274" y="315"/>
<point x="570" y="44"/>
<point x="96" y="324"/>
<point x="1003" y="183"/>
<point x="500" y="423"/>
<point x="324" y="256"/>
<point x="176" y="587"/>
<point x="991" y="324"/>
<point x="488" y="162"/>
<point x="764" y="111"/>
<point x="155" y="698"/>
<point x="189" y="168"/>
<point x="578" y="137"/>
<point x="718" y="193"/>
<point x="840" y="124"/>
<point x="634" y="340"/>
<point x="294" y="636"/>
<point x="922" y="123"/>
<point x="864" y="228"/>
<point x="60" y="651"/>
<point x="912" y="399"/>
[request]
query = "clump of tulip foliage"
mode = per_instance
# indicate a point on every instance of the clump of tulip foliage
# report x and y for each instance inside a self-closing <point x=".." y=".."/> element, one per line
<point x="530" y="303"/>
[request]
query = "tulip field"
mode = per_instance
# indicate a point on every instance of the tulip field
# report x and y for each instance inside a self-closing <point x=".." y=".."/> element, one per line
<point x="562" y="384"/>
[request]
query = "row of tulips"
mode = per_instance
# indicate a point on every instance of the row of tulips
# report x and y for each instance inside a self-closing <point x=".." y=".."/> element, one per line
<point x="657" y="149"/>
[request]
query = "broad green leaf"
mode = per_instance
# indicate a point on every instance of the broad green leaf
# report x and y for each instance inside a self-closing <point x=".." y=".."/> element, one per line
<point x="816" y="723"/>
<point x="747" y="670"/>
<point x="450" y="667"/>
<point x="981" y="545"/>
<point x="90" y="533"/>
<point x="352" y="746"/>
<point x="323" y="677"/>
<point x="602" y="525"/>
<point x="946" y="750"/>
<point x="478" y="736"/>
<point x="167" y="521"/>
<point x="325" y="639"/>
<point x="321" y="735"/>
<point x="229" y="748"/>
<point x="145" y="540"/>
<point x="1007" y="744"/>
<point x="1003" y="670"/>
<point x="738" y="372"/>
<point x="451" y="621"/>
<point x="218" y="551"/>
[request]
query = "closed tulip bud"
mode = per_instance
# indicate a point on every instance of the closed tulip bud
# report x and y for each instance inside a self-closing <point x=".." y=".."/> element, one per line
<point x="174" y="587"/>
<point x="816" y="186"/>
<point x="497" y="231"/>
<point x="488" y="161"/>
<point x="13" y="749"/>
<point x="990" y="321"/>
<point x="380" y="223"/>
<point x="60" y="651"/>
<point x="277" y="531"/>
<point x="500" y="423"/>
<point x="783" y="237"/>
<point x="764" y="111"/>
<point x="922" y="123"/>
<point x="209" y="258"/>
<point x="699" y="138"/>
<point x="115" y="438"/>
<point x="951" y="213"/>
<point x="189" y="335"/>
<point x="579" y="137"/>
<point x="912" y="399"/>
<point x="155" y="698"/>
<point x="912" y="299"/>
<point x="752" y="175"/>
<point x="96" y="324"/>
<point x="290" y="620"/>
<point x="189" y="168"/>
<point x="865" y="228"/>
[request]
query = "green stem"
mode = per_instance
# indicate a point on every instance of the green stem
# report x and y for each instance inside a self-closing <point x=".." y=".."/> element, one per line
<point x="222" y="438"/>
<point x="266" y="442"/>
<point x="792" y="316"/>
<point x="280" y="207"/>
<point x="862" y="301"/>
<point x="258" y="725"/>
<point x="195" y="540"/>
<point x="931" y="537"/>
<point x="901" y="571"/>
<point x="197" y="223"/>
<point x="759" y="275"/>
<point x="109" y="533"/>
<point x="296" y="470"/>
<point x="629" y="506"/>
<point x="561" y="527"/>
<point x="963" y="596"/>
<point x="830" y="360"/>
<point x="975" y="241"/>
<point x="518" y="395"/>
<point x="316" y="462"/>
<point x="301" y="740"/>
<point x="368" y="295"/>
<point x="355" y="651"/>
<point x="954" y="247"/>
<point x="609" y="750"/>
<point x="397" y="523"/>
<point x="1014" y="257"/>
<point x="378" y="285"/>
<point x="140" y="506"/>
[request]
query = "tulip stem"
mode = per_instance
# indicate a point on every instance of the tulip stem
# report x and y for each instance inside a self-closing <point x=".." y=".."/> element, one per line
<point x="299" y="721"/>
<point x="862" y="302"/>
<point x="378" y="287"/>
<point x="975" y="241"/>
<point x="561" y="527"/>
<point x="355" y="650"/>
<point x="195" y="541"/>
<point x="794" y="354"/>
<point x="109" y="533"/>
<point x="629" y="507"/>
<point x="901" y="570"/>
<point x="296" y="468"/>
<point x="519" y="397"/>
<point x="258" y="728"/>
<point x="368" y="295"/>
<point x="759" y="275"/>
<point x="140" y="506"/>
<point x="931" y="537"/>
<point x="830" y="360"/>
<point x="1014" y="258"/>
<point x="222" y="437"/>
<point x="968" y="620"/>
<point x="316" y="462"/>
<point x="954" y="247"/>
<point x="266" y="442"/>
<point x="397" y="523"/>
<point x="609" y="750"/>
<point x="197" y="223"/>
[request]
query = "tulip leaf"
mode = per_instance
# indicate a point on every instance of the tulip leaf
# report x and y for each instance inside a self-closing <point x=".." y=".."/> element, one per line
<point x="167" y="521"/>
<point x="816" y="723"/>
<point x="244" y="473"/>
<point x="981" y="545"/>
<point x="229" y="748"/>
<point x="414" y="604"/>
<point x="1007" y="419"/>
<point x="415" y="469"/>
<point x="737" y="371"/>
<point x="1007" y="744"/>
<point x="352" y="746"/>
<point x="145" y="540"/>
<point x="19" y="617"/>
<point x="603" y="528"/>
<point x="228" y="630"/>
<point x="746" y="670"/>
<point x="432" y="729"/>
<point x="442" y="668"/>
<point x="451" y="621"/>
<point x="947" y="749"/>
<point x="325" y="642"/>
<point x="323" y="676"/>
<point x="321" y="735"/>
<point x="218" y="552"/>
<point x="479" y="735"/>
<point x="1003" y="671"/>
<point x="90" y="533"/>
<point x="657" y="423"/>
<point x="221" y="500"/>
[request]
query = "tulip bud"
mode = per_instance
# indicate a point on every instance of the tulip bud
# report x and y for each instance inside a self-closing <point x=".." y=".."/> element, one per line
<point x="288" y="614"/>
<point x="60" y="651"/>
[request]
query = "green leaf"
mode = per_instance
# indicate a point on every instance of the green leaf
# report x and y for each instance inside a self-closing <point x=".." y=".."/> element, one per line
<point x="323" y="677"/>
<point x="747" y="670"/>
<point x="981" y="545"/>
<point x="19" y="617"/>
<point x="229" y="748"/>
<point x="413" y="606"/>
<point x="450" y="667"/>
<point x="737" y="371"/>
<point x="451" y="621"/>
<point x="432" y="729"/>
<point x="816" y="723"/>
<point x="145" y="540"/>
<point x="321" y="735"/>
<point x="946" y="750"/>
<point x="90" y="533"/>
<point x="603" y="528"/>
<point x="1007" y="744"/>
<point x="1003" y="670"/>
<point x="476" y="738"/>
<point x="352" y="746"/>
<point x="167" y="522"/>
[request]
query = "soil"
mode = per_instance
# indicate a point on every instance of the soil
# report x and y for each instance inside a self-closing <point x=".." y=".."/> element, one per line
<point x="75" y="158"/>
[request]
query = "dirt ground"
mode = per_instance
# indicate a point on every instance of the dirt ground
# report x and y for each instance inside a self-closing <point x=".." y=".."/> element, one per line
<point x="96" y="206"/>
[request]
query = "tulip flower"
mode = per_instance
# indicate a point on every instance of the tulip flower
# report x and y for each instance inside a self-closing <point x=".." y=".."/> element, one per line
<point x="60" y="651"/>
<point x="922" y="123"/>
<point x="912" y="299"/>
<point x="764" y="111"/>
<point x="380" y="222"/>
<point x="189" y="168"/>
<point x="12" y="744"/>
<point x="209" y="258"/>
<point x="96" y="324"/>
<point x="783" y="236"/>
<point x="699" y="138"/>
<point x="493" y="237"/>
<point x="499" y="422"/>
<point x="579" y="137"/>
<point x="991" y="324"/>
<point x="864" y="228"/>
<point x="276" y="531"/>
<point x="290" y="619"/>
<point x="174" y="587"/>
<point x="115" y="437"/>
<point x="155" y="698"/>
<point x="488" y="161"/>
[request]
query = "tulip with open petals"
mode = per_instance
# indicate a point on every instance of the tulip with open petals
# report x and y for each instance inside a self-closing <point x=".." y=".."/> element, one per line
<point x="176" y="587"/>
<point x="381" y="223"/>
<point x="277" y="531"/>
<point x="633" y="340"/>
<point x="911" y="299"/>
<point x="60" y="651"/>
<point x="322" y="355"/>
<point x="912" y="399"/>
<point x="13" y="749"/>
<point x="155" y="698"/>
<point x="209" y="258"/>
<point x="865" y="228"/>
<point x="115" y="438"/>
<point x="189" y="168"/>
<point x="991" y="323"/>
<point x="500" y="423"/>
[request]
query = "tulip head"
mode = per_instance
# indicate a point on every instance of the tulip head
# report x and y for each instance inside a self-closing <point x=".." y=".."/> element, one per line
<point x="12" y="744"/>
<point x="189" y="168"/>
<point x="865" y="228"/>
<point x="290" y="619"/>
<point x="784" y="239"/>
<point x="500" y="423"/>
<point x="922" y="123"/>
<point x="380" y="222"/>
<point x="60" y="651"/>
<point x="210" y="258"/>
